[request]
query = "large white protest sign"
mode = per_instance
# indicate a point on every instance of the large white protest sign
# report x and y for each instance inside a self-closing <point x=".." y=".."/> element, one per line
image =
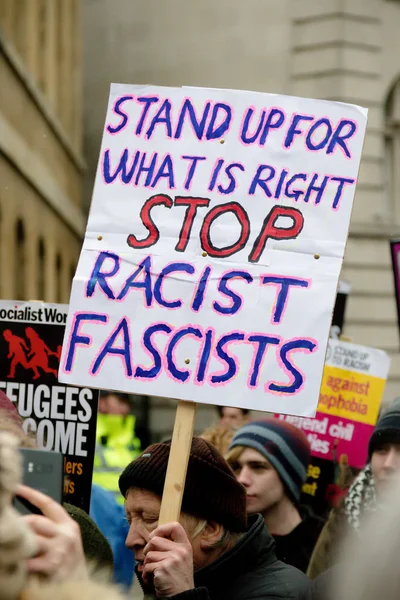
<point x="214" y="246"/>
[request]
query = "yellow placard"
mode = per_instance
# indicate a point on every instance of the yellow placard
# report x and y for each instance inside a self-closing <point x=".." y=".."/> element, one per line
<point x="351" y="395"/>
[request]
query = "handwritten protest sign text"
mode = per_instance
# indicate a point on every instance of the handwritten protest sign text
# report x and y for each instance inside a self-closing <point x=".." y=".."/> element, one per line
<point x="214" y="246"/>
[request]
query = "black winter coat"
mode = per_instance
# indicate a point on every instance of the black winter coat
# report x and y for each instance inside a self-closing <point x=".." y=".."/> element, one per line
<point x="249" y="571"/>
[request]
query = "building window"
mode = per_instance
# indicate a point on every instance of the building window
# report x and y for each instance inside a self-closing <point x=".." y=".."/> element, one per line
<point x="41" y="270"/>
<point x="20" y="265"/>
<point x="59" y="290"/>
<point x="1" y="254"/>
<point x="42" y="39"/>
<point x="392" y="149"/>
<point x="72" y="273"/>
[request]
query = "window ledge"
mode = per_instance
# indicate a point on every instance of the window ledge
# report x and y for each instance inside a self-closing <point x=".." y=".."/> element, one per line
<point x="40" y="100"/>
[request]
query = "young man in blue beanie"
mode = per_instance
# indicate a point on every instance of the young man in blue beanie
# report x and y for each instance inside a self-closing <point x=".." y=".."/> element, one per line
<point x="270" y="459"/>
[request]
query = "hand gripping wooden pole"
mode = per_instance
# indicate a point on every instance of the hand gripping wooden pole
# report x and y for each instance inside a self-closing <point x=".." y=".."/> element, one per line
<point x="178" y="462"/>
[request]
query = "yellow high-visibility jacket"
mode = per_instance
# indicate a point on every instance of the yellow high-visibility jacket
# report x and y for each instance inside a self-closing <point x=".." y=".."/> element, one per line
<point x="116" y="447"/>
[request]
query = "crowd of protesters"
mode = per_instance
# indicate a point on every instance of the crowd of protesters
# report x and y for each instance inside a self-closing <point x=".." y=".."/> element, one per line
<point x="244" y="531"/>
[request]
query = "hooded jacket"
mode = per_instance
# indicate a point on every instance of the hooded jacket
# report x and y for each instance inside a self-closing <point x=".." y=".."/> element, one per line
<point x="249" y="571"/>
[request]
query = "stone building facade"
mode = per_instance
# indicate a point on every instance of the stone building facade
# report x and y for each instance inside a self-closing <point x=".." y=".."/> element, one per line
<point x="345" y="50"/>
<point x="41" y="164"/>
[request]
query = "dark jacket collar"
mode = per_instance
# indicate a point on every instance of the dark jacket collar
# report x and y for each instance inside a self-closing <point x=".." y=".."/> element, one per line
<point x="254" y="548"/>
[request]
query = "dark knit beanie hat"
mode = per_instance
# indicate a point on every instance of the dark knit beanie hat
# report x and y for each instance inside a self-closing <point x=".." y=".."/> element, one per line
<point x="211" y="491"/>
<point x="387" y="429"/>
<point x="283" y="445"/>
<point x="95" y="545"/>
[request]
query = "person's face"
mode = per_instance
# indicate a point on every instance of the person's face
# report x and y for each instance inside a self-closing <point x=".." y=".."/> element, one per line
<point x="142" y="509"/>
<point x="232" y="418"/>
<point x="112" y="405"/>
<point x="385" y="463"/>
<point x="264" y="488"/>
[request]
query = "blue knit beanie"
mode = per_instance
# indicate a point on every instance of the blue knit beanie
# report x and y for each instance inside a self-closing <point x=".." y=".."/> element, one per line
<point x="283" y="445"/>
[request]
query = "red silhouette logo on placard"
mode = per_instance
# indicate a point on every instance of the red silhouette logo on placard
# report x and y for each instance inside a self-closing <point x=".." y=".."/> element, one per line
<point x="16" y="351"/>
<point x="34" y="356"/>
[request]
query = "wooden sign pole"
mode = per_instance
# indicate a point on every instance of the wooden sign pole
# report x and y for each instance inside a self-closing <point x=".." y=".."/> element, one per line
<point x="178" y="462"/>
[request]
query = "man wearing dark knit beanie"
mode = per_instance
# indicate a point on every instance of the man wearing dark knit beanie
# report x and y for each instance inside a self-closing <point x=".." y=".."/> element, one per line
<point x="213" y="553"/>
<point x="270" y="458"/>
<point x="384" y="446"/>
<point x="368" y="493"/>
